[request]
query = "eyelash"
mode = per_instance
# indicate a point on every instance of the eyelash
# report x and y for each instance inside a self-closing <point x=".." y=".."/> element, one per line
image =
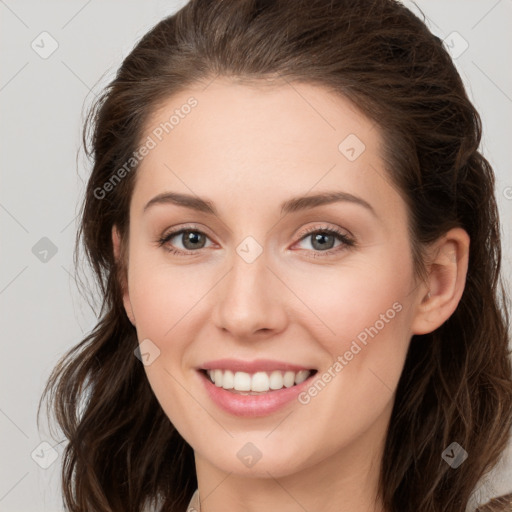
<point x="347" y="242"/>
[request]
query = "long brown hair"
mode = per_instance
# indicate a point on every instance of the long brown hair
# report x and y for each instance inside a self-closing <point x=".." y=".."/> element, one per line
<point x="456" y="386"/>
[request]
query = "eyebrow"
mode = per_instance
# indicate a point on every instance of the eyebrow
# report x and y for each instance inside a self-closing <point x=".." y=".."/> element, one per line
<point x="292" y="205"/>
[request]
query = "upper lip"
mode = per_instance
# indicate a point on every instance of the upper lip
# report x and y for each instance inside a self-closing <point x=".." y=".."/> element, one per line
<point x="262" y="365"/>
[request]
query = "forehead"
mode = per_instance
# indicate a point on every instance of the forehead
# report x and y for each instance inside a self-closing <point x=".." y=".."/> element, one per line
<point x="270" y="139"/>
<point x="275" y="114"/>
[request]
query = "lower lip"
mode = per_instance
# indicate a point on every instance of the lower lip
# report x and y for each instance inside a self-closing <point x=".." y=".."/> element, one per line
<point x="253" y="405"/>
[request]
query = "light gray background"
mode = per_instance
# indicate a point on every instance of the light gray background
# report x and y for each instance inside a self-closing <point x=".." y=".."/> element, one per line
<point x="42" y="102"/>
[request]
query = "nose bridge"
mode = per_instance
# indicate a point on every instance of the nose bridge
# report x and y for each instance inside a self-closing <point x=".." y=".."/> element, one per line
<point x="247" y="300"/>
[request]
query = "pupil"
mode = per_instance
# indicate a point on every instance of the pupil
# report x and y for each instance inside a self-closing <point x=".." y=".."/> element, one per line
<point x="191" y="237"/>
<point x="318" y="239"/>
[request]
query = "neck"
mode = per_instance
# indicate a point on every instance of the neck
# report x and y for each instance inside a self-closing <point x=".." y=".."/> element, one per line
<point x="345" y="481"/>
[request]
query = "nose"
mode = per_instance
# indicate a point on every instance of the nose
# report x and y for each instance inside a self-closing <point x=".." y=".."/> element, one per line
<point x="249" y="301"/>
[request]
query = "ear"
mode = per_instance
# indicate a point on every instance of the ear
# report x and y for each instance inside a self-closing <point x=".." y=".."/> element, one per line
<point x="447" y="271"/>
<point x="116" y="244"/>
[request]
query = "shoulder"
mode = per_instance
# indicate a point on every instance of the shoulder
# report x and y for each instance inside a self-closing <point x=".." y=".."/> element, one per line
<point x="499" y="504"/>
<point x="194" y="504"/>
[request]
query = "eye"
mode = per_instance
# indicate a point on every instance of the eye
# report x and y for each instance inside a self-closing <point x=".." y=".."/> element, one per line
<point x="191" y="239"/>
<point x="323" y="241"/>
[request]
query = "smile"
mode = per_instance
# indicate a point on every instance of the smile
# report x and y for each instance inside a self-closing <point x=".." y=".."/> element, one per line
<point x="257" y="388"/>
<point x="256" y="383"/>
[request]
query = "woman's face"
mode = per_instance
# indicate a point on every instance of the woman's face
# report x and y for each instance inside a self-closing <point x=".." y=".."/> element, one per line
<point x="272" y="277"/>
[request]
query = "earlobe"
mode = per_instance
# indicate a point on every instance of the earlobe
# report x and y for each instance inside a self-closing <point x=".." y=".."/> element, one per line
<point x="445" y="283"/>
<point x="116" y="245"/>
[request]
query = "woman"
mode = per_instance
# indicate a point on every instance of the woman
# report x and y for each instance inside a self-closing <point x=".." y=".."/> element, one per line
<point x="298" y="249"/>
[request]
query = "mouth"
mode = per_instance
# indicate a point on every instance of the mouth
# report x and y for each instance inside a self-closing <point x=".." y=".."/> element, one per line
<point x="256" y="383"/>
<point x="256" y="388"/>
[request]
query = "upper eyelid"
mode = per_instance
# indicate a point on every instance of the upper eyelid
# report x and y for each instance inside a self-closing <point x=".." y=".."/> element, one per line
<point x="336" y="230"/>
<point x="172" y="232"/>
<point x="167" y="235"/>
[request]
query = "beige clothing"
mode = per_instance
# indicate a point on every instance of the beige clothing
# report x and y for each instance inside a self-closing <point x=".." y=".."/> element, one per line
<point x="194" y="505"/>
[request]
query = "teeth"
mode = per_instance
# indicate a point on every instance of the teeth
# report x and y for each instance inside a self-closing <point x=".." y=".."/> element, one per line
<point x="302" y="376"/>
<point x="276" y="380"/>
<point x="259" y="382"/>
<point x="289" y="379"/>
<point x="228" y="379"/>
<point x="242" y="381"/>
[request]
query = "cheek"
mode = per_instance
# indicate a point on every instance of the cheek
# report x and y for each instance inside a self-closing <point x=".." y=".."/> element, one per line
<point x="163" y="295"/>
<point x="166" y="301"/>
<point x="363" y="318"/>
<point x="360" y="299"/>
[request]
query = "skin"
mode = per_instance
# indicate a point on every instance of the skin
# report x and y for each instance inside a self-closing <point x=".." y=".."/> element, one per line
<point x="247" y="149"/>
